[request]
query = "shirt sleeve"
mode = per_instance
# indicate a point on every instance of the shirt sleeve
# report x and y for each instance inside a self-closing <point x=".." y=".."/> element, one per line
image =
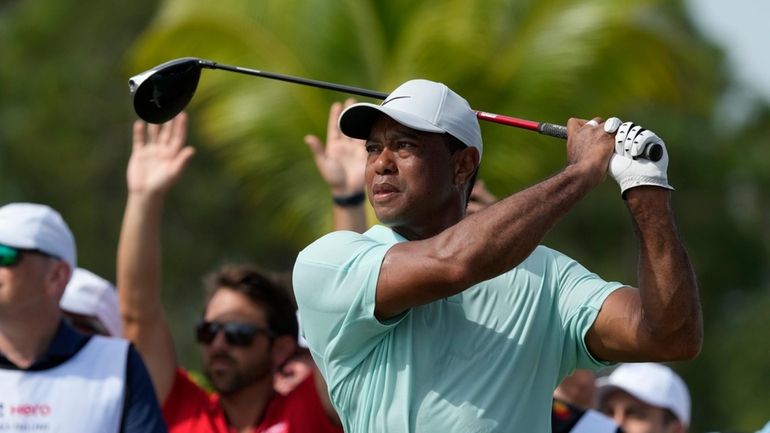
<point x="580" y="294"/>
<point x="335" y="281"/>
<point x="141" y="412"/>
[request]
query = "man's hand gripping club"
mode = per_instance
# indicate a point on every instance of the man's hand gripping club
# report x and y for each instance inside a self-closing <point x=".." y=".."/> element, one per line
<point x="626" y="166"/>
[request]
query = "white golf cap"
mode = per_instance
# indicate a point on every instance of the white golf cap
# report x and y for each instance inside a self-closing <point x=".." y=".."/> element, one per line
<point x="37" y="227"/>
<point x="91" y="295"/>
<point x="421" y="105"/>
<point x="654" y="384"/>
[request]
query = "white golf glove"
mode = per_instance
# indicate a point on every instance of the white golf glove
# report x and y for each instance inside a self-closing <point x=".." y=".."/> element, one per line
<point x="626" y="166"/>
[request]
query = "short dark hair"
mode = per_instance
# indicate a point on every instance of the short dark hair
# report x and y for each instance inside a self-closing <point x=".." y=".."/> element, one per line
<point x="263" y="289"/>
<point x="454" y="145"/>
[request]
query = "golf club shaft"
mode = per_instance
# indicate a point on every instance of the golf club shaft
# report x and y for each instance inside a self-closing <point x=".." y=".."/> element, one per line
<point x="549" y="129"/>
<point x="313" y="83"/>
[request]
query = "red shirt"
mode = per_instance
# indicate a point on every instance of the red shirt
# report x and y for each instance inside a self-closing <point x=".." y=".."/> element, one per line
<point x="190" y="409"/>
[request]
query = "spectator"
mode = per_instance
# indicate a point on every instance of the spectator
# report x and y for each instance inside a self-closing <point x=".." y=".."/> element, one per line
<point x="435" y="320"/>
<point x="568" y="418"/>
<point x="572" y="409"/>
<point x="248" y="329"/>
<point x="52" y="377"/>
<point x="577" y="389"/>
<point x="645" y="398"/>
<point x="90" y="304"/>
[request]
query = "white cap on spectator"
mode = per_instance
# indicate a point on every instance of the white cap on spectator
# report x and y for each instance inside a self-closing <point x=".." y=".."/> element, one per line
<point x="37" y="227"/>
<point x="91" y="295"/>
<point x="421" y="105"/>
<point x="654" y="384"/>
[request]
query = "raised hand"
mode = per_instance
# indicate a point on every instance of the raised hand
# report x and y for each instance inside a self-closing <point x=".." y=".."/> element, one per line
<point x="158" y="156"/>
<point x="343" y="160"/>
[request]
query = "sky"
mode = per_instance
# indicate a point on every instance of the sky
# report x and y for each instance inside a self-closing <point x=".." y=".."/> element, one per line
<point x="742" y="28"/>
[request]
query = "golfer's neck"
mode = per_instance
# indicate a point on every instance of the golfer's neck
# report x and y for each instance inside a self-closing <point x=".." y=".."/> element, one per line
<point x="416" y="232"/>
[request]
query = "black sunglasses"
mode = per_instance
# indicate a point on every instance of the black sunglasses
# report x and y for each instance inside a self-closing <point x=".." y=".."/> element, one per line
<point x="236" y="334"/>
<point x="11" y="256"/>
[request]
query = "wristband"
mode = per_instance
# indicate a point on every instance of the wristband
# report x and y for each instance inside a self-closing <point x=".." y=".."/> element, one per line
<point x="349" y="200"/>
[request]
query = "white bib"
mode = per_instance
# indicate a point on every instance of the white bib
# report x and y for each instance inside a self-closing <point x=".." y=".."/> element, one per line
<point x="84" y="394"/>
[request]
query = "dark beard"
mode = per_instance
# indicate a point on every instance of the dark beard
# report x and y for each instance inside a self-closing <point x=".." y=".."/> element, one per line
<point x="235" y="378"/>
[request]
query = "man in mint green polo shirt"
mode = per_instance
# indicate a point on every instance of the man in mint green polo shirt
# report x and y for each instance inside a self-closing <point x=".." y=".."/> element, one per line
<point x="438" y="322"/>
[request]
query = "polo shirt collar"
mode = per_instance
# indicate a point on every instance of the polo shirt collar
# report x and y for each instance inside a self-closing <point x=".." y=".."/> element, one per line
<point x="64" y="345"/>
<point x="384" y="234"/>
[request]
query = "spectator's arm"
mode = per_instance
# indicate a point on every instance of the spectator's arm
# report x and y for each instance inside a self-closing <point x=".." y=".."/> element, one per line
<point x="342" y="163"/>
<point x="157" y="160"/>
<point x="141" y="413"/>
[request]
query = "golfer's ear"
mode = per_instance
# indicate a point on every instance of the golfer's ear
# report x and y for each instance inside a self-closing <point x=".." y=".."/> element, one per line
<point x="466" y="163"/>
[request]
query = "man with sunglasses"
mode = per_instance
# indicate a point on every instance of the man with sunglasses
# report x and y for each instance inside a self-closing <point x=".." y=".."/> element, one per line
<point x="44" y="361"/>
<point x="248" y="329"/>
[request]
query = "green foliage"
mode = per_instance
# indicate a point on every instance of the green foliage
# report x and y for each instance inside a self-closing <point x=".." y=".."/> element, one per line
<point x="64" y="121"/>
<point x="542" y="60"/>
<point x="65" y="133"/>
<point x="252" y="191"/>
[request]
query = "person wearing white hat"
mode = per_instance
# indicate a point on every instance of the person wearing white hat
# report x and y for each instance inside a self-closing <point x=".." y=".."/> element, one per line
<point x="569" y="418"/>
<point x="247" y="331"/>
<point x="44" y="362"/>
<point x="436" y="321"/>
<point x="645" y="398"/>
<point x="90" y="304"/>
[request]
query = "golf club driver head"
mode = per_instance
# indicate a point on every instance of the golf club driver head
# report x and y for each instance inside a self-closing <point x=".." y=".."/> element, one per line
<point x="164" y="91"/>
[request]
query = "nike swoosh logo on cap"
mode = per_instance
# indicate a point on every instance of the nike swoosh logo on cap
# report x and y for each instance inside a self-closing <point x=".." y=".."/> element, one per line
<point x="394" y="98"/>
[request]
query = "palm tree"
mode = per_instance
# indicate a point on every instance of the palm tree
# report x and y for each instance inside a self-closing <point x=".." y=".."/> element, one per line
<point x="544" y="60"/>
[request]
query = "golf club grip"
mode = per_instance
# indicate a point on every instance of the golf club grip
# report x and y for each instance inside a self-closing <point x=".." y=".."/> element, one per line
<point x="653" y="152"/>
<point x="552" y="130"/>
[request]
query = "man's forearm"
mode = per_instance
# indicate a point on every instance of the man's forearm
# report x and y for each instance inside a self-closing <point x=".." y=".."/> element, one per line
<point x="503" y="235"/>
<point x="667" y="282"/>
<point x="139" y="261"/>
<point x="139" y="284"/>
<point x="481" y="246"/>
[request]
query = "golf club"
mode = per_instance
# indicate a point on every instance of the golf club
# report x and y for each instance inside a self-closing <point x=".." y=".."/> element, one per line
<point x="164" y="91"/>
